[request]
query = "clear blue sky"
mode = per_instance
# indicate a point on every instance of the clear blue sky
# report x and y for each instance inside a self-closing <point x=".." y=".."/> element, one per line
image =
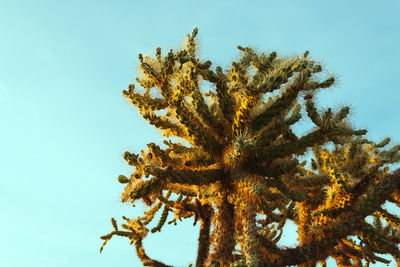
<point x="65" y="123"/>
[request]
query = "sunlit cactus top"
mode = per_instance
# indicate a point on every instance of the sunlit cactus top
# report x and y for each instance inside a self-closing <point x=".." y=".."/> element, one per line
<point x="241" y="178"/>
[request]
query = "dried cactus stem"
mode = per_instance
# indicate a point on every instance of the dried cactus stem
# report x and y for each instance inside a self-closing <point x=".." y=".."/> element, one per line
<point x="144" y="258"/>
<point x="223" y="240"/>
<point x="250" y="245"/>
<point x="204" y="237"/>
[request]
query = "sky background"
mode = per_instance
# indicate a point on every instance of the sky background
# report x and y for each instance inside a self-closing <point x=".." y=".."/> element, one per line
<point x="65" y="123"/>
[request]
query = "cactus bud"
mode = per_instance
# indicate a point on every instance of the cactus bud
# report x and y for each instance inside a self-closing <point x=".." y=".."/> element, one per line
<point x="205" y="65"/>
<point x="183" y="60"/>
<point x="123" y="179"/>
<point x="259" y="189"/>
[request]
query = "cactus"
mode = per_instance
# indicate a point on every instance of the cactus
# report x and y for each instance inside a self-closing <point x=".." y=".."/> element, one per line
<point x="243" y="161"/>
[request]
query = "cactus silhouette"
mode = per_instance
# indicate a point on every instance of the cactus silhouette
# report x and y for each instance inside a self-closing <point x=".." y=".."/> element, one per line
<point x="240" y="176"/>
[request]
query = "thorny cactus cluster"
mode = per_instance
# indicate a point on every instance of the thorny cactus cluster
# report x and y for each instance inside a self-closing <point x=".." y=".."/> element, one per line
<point x="241" y="176"/>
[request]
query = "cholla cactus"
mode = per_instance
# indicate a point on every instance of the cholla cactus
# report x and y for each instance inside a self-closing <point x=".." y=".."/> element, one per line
<point x="241" y="175"/>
